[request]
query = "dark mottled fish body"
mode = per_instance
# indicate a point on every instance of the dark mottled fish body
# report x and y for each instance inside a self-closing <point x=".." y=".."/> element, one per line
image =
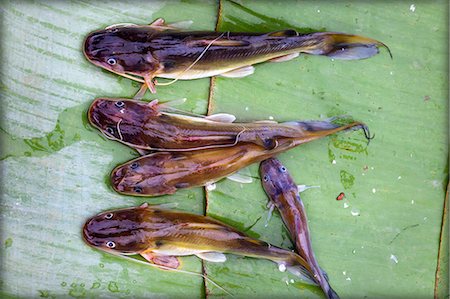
<point x="166" y="172"/>
<point x="144" y="126"/>
<point x="284" y="194"/>
<point x="160" y="51"/>
<point x="163" y="233"/>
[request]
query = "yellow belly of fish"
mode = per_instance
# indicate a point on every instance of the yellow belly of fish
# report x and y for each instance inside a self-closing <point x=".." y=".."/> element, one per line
<point x="194" y="74"/>
<point x="177" y="251"/>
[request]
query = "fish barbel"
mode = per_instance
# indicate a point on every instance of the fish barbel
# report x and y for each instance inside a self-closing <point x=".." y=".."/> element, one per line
<point x="284" y="194"/>
<point x="143" y="52"/>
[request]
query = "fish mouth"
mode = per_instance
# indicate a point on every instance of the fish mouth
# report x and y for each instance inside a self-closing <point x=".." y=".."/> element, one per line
<point x="117" y="176"/>
<point x="88" y="237"/>
<point x="92" y="112"/>
<point x="88" y="49"/>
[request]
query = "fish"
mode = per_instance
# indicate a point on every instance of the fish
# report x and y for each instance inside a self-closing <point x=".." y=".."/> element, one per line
<point x="144" y="52"/>
<point x="161" y="236"/>
<point x="163" y="173"/>
<point x="148" y="127"/>
<point x="284" y="194"/>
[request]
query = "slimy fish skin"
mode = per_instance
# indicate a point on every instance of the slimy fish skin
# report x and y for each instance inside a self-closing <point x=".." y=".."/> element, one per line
<point x="163" y="173"/>
<point x="143" y="52"/>
<point x="284" y="194"/>
<point x="161" y="236"/>
<point x="149" y="127"/>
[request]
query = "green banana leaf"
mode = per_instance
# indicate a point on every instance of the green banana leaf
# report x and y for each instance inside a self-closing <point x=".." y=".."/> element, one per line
<point x="383" y="239"/>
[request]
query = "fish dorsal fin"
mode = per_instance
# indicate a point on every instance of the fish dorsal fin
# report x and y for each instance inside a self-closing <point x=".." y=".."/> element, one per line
<point x="221" y="117"/>
<point x="283" y="33"/>
<point x="215" y="257"/>
<point x="172" y="103"/>
<point x="167" y="205"/>
<point x="181" y="24"/>
<point x="120" y="25"/>
<point x="221" y="42"/>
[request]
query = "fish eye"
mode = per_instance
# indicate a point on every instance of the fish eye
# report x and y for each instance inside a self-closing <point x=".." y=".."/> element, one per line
<point x="111" y="61"/>
<point x="283" y="169"/>
<point x="110" y="130"/>
<point x="110" y="244"/>
<point x="138" y="189"/>
<point x="109" y="216"/>
<point x="134" y="165"/>
<point x="119" y="104"/>
<point x="266" y="178"/>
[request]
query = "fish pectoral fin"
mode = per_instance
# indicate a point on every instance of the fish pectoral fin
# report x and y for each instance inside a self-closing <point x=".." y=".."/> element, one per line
<point x="215" y="257"/>
<point x="283" y="33"/>
<point x="284" y="57"/>
<point x="168" y="261"/>
<point x="149" y="82"/>
<point x="240" y="178"/>
<point x="271" y="206"/>
<point x="302" y="188"/>
<point x="267" y="143"/>
<point x="221" y="117"/>
<point x="239" y="73"/>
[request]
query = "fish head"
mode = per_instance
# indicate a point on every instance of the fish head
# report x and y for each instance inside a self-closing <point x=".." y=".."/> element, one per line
<point x="119" y="231"/>
<point x="144" y="176"/>
<point x="120" y="119"/>
<point x="122" y="50"/>
<point x="274" y="177"/>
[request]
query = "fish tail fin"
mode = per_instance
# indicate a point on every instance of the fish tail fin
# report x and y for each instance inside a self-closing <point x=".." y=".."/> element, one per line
<point x="331" y="294"/>
<point x="298" y="266"/>
<point x="342" y="46"/>
<point x="325" y="285"/>
<point x="316" y="129"/>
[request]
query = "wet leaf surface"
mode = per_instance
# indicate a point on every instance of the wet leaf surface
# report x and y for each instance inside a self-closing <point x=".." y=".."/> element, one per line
<point x="382" y="239"/>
